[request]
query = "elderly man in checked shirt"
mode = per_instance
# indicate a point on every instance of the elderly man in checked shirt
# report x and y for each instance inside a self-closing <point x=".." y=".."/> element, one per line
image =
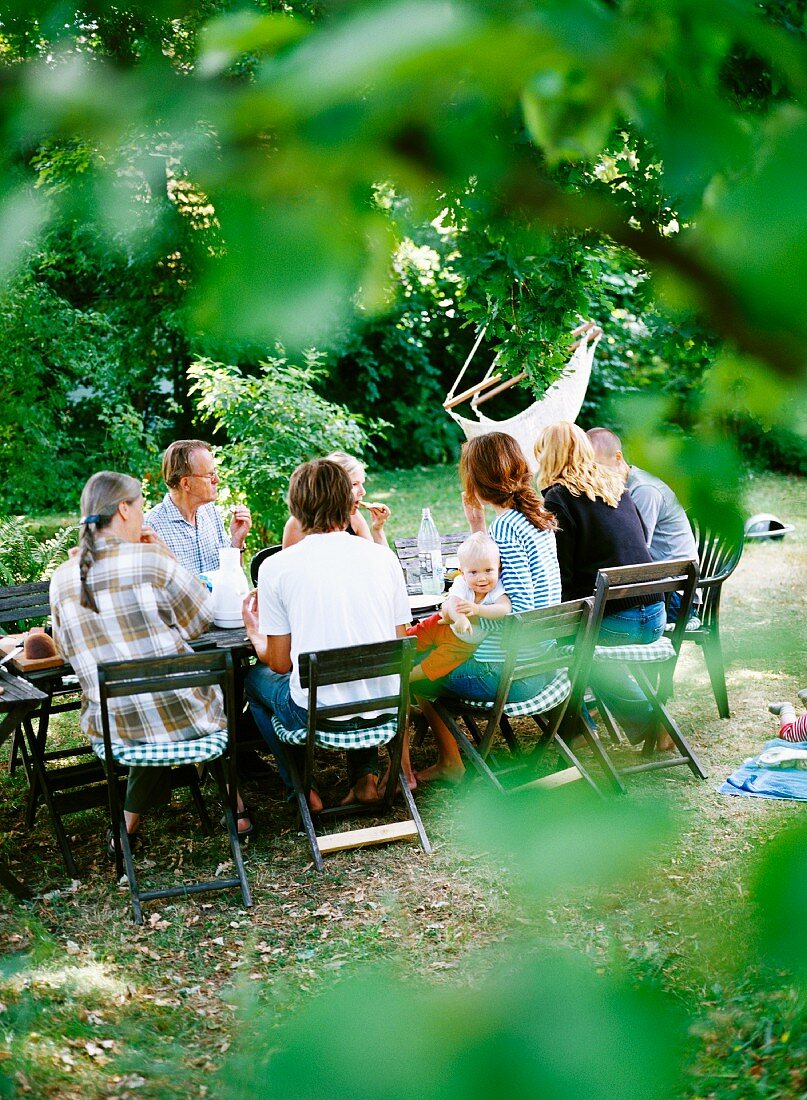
<point x="187" y="520"/>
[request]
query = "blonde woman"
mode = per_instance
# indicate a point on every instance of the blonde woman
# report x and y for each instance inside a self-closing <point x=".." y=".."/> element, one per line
<point x="598" y="527"/>
<point x="357" y="525"/>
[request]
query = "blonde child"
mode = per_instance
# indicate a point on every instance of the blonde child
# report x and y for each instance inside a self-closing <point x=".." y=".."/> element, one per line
<point x="449" y="637"/>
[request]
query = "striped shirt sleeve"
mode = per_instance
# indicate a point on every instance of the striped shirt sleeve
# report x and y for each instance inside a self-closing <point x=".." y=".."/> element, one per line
<point x="516" y="575"/>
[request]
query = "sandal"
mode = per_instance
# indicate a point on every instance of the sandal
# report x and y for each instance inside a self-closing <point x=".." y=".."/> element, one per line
<point x="135" y="841"/>
<point x="242" y="815"/>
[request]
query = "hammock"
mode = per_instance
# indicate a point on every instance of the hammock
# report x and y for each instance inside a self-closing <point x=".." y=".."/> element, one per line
<point x="562" y="400"/>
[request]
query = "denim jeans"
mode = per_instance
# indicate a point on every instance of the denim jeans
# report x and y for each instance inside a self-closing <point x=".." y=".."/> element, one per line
<point x="480" y="680"/>
<point x="269" y="693"/>
<point x="674" y="606"/>
<point x="619" y="691"/>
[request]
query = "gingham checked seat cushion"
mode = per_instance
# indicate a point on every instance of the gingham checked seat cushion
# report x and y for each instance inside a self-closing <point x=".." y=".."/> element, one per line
<point x="368" y="738"/>
<point x="143" y="753"/>
<point x="660" y="650"/>
<point x="548" y="697"/>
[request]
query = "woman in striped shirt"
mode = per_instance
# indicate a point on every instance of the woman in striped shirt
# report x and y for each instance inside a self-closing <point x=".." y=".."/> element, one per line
<point x="494" y="472"/>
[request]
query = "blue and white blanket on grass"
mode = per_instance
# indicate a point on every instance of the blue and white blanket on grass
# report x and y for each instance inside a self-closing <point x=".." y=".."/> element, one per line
<point x="779" y="771"/>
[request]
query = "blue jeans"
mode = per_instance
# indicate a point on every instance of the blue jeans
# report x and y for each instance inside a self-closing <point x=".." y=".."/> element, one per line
<point x="674" y="606"/>
<point x="618" y="689"/>
<point x="269" y="693"/>
<point x="480" y="680"/>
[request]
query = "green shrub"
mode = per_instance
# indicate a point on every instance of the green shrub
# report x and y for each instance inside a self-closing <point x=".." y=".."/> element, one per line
<point x="24" y="558"/>
<point x="273" y="421"/>
<point x="780" y="449"/>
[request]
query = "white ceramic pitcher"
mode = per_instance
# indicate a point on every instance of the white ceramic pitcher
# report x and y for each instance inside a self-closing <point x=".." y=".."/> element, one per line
<point x="230" y="585"/>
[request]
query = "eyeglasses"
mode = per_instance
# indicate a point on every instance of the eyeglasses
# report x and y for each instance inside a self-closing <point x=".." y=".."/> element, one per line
<point x="208" y="477"/>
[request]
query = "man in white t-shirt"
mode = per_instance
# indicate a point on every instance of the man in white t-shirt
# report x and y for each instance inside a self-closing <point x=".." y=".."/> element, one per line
<point x="328" y="591"/>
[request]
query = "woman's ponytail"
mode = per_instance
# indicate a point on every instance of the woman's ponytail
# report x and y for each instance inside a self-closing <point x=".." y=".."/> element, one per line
<point x="99" y="501"/>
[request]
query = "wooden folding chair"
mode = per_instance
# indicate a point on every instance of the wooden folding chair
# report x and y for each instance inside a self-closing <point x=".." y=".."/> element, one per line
<point x="324" y="730"/>
<point x="653" y="581"/>
<point x="557" y="642"/>
<point x="157" y="674"/>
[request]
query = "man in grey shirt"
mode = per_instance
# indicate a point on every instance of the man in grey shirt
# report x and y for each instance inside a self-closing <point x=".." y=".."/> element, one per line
<point x="669" y="535"/>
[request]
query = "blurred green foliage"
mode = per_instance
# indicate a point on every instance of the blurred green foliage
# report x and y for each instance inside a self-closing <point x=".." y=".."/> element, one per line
<point x="542" y="1022"/>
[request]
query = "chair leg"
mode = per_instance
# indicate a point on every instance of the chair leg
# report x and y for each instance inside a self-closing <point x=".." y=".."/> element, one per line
<point x="128" y="862"/>
<point x="196" y="793"/>
<point x="413" y="813"/>
<point x="573" y="762"/>
<point x="713" y="656"/>
<point x="507" y="733"/>
<point x="303" y="808"/>
<point x="669" y="724"/>
<point x="232" y="832"/>
<point x="11" y="883"/>
<point x="468" y="750"/>
<point x="600" y="755"/>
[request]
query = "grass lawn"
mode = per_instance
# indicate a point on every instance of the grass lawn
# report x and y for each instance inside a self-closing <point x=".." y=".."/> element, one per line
<point x="92" y="1007"/>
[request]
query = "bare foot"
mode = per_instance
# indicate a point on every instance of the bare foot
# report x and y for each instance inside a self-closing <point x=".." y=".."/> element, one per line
<point x="665" y="743"/>
<point x="314" y="802"/>
<point x="442" y="773"/>
<point x="411" y="782"/>
<point x="364" y="790"/>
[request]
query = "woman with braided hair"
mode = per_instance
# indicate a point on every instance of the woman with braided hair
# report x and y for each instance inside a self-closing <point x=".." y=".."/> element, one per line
<point x="494" y="472"/>
<point x="124" y="596"/>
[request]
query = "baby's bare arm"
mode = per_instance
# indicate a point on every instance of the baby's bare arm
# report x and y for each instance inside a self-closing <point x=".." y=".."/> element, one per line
<point x="451" y="608"/>
<point x="496" y="610"/>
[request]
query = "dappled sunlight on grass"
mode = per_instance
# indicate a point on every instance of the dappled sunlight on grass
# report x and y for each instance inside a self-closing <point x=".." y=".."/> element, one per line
<point x="94" y="980"/>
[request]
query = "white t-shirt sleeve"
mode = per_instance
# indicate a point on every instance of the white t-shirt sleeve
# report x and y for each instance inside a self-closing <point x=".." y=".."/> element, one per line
<point x="400" y="599"/>
<point x="272" y="617"/>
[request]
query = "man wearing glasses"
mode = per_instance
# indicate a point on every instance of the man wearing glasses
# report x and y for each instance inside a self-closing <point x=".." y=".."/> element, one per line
<point x="187" y="519"/>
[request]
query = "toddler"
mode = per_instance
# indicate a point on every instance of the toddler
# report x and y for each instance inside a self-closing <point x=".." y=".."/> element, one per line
<point x="791" y="728"/>
<point x="449" y="637"/>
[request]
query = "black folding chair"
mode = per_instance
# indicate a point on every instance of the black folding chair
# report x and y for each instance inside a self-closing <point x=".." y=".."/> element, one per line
<point x="555" y="642"/>
<point x="160" y="674"/>
<point x="658" y="658"/>
<point x="324" y="730"/>
<point x="259" y="558"/>
<point x="719" y="554"/>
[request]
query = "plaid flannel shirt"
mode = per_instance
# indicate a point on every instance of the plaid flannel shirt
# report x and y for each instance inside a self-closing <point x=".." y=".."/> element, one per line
<point x="149" y="606"/>
<point x="197" y="545"/>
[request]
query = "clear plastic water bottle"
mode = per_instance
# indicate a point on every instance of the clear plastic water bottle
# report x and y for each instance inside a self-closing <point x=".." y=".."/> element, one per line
<point x="431" y="560"/>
